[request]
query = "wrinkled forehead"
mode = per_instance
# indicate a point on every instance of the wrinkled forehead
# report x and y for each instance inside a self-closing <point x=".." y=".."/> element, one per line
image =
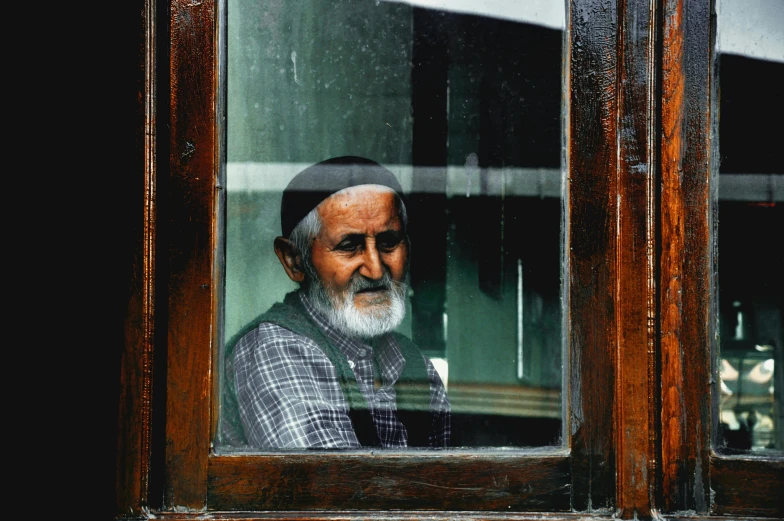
<point x="363" y="200"/>
<point x="360" y="190"/>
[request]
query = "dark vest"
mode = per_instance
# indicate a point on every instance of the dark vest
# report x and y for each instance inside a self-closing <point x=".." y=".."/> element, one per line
<point x="412" y="389"/>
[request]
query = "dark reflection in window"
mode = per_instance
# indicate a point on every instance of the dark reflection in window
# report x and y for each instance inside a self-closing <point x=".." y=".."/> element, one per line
<point x="465" y="109"/>
<point x="486" y="102"/>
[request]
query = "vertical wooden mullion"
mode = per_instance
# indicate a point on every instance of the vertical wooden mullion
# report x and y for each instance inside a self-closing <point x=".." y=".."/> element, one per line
<point x="636" y="378"/>
<point x="190" y="225"/>
<point x="592" y="249"/>
<point x="133" y="449"/>
<point x="686" y="255"/>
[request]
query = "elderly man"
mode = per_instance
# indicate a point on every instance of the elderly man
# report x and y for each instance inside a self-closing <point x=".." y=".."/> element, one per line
<point x="325" y="368"/>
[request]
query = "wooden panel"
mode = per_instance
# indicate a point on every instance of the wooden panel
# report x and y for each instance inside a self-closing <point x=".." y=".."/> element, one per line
<point x="365" y="515"/>
<point x="397" y="515"/>
<point x="747" y="487"/>
<point x="382" y="481"/>
<point x="133" y="442"/>
<point x="592" y="214"/>
<point x="686" y="256"/>
<point x="414" y="515"/>
<point x="189" y="213"/>
<point x="636" y="382"/>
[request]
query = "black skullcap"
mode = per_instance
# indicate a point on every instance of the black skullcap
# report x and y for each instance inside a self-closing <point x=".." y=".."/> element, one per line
<point x="317" y="182"/>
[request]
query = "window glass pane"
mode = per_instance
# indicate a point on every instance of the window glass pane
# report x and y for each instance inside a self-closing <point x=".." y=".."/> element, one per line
<point x="463" y="105"/>
<point x="750" y="224"/>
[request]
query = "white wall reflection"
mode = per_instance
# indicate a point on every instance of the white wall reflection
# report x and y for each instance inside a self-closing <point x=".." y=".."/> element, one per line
<point x="753" y="28"/>
<point x="548" y="13"/>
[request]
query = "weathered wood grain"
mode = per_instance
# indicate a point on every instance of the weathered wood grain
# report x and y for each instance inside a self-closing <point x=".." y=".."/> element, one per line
<point x="411" y="480"/>
<point x="747" y="486"/>
<point x="686" y="256"/>
<point x="613" y="244"/>
<point x="136" y="362"/>
<point x="190" y="211"/>
<point x="635" y="290"/>
<point x="592" y="216"/>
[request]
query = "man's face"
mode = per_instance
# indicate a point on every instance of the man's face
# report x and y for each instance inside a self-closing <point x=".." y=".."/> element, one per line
<point x="361" y="239"/>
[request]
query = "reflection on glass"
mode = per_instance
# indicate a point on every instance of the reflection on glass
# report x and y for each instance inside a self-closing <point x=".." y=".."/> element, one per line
<point x="463" y="105"/>
<point x="751" y="194"/>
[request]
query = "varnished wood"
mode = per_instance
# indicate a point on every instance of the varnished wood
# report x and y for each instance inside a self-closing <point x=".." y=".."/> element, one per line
<point x="408" y="515"/>
<point x="366" y="515"/>
<point x="592" y="247"/>
<point x="133" y="443"/>
<point x="747" y="486"/>
<point x="219" y="221"/>
<point x="608" y="467"/>
<point x="410" y="480"/>
<point x="190" y="208"/>
<point x="635" y="297"/>
<point x="686" y="256"/>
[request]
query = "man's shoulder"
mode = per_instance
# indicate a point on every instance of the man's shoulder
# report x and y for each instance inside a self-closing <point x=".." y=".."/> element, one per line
<point x="271" y="339"/>
<point x="265" y="332"/>
<point x="269" y="343"/>
<point x="268" y="326"/>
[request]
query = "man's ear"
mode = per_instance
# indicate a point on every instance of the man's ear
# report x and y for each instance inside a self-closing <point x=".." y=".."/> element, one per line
<point x="290" y="258"/>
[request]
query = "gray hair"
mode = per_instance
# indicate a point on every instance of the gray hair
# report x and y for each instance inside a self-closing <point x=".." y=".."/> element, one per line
<point x="310" y="226"/>
<point x="303" y="233"/>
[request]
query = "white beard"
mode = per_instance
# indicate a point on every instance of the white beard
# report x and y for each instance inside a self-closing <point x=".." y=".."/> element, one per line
<point x="377" y="319"/>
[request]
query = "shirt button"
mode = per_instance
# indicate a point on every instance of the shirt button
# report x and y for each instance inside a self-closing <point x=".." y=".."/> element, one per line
<point x="362" y="352"/>
<point x="351" y="363"/>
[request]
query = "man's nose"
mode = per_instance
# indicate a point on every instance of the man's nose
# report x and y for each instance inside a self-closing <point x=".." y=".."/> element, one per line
<point x="371" y="263"/>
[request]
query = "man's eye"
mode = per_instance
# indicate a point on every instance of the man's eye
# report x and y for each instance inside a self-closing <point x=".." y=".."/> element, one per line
<point x="388" y="242"/>
<point x="348" y="245"/>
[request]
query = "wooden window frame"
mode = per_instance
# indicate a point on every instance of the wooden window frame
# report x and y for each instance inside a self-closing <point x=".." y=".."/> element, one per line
<point x="640" y="310"/>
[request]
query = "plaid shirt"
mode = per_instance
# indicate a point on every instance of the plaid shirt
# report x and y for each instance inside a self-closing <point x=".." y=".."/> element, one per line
<point x="289" y="395"/>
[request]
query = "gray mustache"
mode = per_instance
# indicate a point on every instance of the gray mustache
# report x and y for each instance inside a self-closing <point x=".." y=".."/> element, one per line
<point x="359" y="283"/>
